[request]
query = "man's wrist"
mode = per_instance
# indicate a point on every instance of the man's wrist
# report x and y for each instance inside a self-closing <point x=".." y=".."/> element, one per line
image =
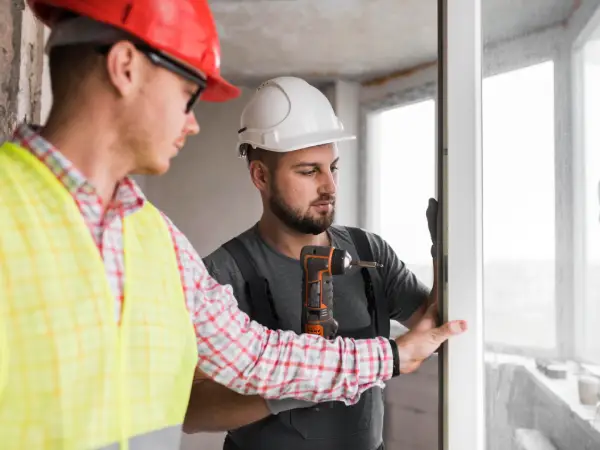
<point x="396" y="356"/>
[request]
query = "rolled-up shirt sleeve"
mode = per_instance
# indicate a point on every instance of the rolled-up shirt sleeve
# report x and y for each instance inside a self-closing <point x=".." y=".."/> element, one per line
<point x="251" y="359"/>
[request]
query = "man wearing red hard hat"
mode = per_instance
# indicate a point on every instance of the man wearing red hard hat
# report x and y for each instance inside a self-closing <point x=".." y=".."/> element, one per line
<point x="106" y="308"/>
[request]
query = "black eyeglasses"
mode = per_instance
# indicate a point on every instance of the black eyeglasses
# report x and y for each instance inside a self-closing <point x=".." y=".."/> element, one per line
<point x="171" y="64"/>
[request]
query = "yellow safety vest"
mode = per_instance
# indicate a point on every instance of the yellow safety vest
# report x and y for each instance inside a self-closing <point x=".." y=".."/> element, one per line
<point x="71" y="376"/>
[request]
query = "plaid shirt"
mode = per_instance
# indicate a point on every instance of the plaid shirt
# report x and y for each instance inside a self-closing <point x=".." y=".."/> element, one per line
<point x="233" y="350"/>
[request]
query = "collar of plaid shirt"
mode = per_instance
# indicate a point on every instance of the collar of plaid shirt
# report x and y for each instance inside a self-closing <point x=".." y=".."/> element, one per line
<point x="128" y="195"/>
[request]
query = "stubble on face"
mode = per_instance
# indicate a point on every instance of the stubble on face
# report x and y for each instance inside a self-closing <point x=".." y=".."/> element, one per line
<point x="296" y="220"/>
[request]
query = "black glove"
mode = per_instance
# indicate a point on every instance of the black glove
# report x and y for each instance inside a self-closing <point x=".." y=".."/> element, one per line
<point x="432" y="212"/>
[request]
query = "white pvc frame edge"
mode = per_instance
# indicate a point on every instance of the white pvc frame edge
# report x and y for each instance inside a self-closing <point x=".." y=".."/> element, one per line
<point x="578" y="202"/>
<point x="464" y="374"/>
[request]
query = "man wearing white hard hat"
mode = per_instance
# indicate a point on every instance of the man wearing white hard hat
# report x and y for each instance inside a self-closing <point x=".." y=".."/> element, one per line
<point x="288" y="135"/>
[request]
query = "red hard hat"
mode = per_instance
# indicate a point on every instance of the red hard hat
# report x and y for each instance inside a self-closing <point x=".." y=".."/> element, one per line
<point x="184" y="29"/>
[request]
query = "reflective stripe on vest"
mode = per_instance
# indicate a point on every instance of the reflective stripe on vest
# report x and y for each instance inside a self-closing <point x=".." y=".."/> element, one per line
<point x="71" y="377"/>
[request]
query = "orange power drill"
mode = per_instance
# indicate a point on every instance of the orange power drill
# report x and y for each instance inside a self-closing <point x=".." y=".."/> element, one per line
<point x="319" y="265"/>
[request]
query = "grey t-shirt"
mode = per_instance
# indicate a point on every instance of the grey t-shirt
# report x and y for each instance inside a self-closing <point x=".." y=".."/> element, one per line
<point x="403" y="291"/>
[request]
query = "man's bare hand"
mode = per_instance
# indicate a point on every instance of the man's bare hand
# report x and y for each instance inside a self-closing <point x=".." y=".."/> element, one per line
<point x="420" y="343"/>
<point x="430" y="319"/>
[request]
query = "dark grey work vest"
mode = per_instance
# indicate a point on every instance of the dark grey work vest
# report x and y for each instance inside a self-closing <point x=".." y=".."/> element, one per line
<point x="327" y="426"/>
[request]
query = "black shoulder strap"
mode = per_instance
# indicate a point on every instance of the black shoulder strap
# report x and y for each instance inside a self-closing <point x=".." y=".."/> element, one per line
<point x="378" y="307"/>
<point x="260" y="300"/>
<point x="361" y="242"/>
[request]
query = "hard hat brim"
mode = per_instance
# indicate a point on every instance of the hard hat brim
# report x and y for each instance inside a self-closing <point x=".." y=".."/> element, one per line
<point x="304" y="141"/>
<point x="219" y="90"/>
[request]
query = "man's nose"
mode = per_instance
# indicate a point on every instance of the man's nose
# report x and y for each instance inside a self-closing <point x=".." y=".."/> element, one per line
<point x="191" y="125"/>
<point x="328" y="183"/>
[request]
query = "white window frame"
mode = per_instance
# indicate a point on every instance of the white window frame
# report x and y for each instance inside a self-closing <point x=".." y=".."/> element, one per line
<point x="463" y="400"/>
<point x="464" y="413"/>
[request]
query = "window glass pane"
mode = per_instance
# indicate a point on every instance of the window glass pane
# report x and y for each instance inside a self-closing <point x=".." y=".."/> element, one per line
<point x="407" y="173"/>
<point x="590" y="212"/>
<point x="518" y="199"/>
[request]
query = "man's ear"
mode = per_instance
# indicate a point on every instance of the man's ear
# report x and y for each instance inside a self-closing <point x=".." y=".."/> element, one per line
<point x="260" y="175"/>
<point x="124" y="67"/>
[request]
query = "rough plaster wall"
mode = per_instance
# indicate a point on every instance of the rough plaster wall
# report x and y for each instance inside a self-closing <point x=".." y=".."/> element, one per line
<point x="10" y="36"/>
<point x="21" y="66"/>
<point x="29" y="102"/>
<point x="46" y="89"/>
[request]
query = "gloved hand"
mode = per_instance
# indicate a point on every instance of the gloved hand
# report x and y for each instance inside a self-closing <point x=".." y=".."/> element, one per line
<point x="432" y="212"/>
<point x="285" y="404"/>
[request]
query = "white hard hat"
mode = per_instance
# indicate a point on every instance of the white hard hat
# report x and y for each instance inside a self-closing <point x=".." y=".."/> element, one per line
<point x="287" y="114"/>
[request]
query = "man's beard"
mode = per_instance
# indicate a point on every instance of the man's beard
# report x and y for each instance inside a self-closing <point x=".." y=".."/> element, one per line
<point x="298" y="222"/>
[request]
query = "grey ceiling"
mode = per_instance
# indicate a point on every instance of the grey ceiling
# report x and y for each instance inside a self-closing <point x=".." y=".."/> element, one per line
<point x="356" y="39"/>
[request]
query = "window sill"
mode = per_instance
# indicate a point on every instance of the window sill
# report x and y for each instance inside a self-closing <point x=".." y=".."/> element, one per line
<point x="567" y="391"/>
<point x="564" y="390"/>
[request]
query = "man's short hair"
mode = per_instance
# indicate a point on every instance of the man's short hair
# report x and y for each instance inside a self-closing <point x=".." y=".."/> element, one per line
<point x="69" y="67"/>
<point x="267" y="157"/>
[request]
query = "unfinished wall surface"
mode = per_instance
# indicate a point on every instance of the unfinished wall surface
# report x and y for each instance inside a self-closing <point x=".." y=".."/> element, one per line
<point x="9" y="66"/>
<point x="21" y="66"/>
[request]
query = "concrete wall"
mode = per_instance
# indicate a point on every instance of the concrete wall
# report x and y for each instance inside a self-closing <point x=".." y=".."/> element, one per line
<point x="9" y="64"/>
<point x="21" y="62"/>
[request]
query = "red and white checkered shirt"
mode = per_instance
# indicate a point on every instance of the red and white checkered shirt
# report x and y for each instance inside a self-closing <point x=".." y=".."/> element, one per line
<point x="232" y="349"/>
